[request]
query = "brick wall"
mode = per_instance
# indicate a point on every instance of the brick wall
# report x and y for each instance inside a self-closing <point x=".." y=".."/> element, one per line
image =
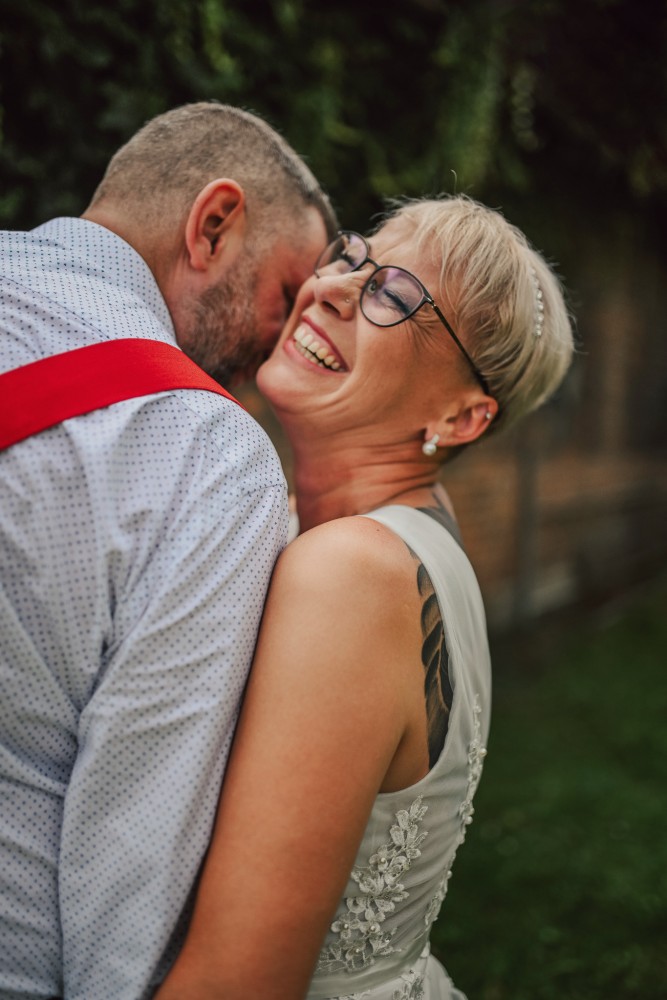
<point x="596" y="524"/>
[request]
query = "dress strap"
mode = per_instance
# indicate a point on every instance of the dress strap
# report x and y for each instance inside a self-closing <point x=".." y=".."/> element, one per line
<point x="445" y="519"/>
<point x="43" y="393"/>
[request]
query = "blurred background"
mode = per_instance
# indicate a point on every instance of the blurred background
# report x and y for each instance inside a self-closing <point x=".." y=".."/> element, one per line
<point x="556" y="113"/>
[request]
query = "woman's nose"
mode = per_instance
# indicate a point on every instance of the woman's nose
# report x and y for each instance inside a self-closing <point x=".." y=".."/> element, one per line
<point x="339" y="292"/>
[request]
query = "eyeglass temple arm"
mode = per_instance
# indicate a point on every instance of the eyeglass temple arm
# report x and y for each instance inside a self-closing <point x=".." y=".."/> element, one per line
<point x="475" y="370"/>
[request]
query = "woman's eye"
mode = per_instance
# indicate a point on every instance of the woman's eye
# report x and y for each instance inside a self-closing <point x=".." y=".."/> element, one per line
<point x="347" y="258"/>
<point x="392" y="299"/>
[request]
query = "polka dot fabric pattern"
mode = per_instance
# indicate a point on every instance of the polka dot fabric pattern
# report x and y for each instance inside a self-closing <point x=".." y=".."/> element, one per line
<point x="136" y="545"/>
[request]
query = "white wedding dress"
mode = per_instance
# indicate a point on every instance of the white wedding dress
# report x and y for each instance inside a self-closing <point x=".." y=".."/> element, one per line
<point x="377" y="947"/>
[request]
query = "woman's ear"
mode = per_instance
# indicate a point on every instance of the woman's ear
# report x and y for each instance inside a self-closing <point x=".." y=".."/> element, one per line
<point x="215" y="225"/>
<point x="467" y="424"/>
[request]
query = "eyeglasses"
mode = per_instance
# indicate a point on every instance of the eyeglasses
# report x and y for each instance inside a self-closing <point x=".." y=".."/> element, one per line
<point x="390" y="295"/>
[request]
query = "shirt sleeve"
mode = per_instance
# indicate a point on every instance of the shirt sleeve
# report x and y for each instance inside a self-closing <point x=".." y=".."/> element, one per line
<point x="186" y="579"/>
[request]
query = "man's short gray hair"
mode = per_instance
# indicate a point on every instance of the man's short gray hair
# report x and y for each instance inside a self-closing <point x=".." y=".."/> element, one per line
<point x="159" y="172"/>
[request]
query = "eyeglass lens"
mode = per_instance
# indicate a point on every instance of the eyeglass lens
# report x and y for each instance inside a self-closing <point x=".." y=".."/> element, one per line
<point x="391" y="294"/>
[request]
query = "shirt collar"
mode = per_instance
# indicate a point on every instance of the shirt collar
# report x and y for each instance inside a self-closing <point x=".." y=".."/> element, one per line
<point x="104" y="254"/>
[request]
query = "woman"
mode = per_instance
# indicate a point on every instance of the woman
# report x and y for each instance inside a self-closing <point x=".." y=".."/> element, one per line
<point x="363" y="732"/>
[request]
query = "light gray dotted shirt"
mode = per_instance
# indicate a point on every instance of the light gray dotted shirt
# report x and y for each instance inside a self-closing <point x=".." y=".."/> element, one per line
<point x="136" y="545"/>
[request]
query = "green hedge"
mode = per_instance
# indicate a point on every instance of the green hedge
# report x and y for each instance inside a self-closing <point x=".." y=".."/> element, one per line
<point x="413" y="97"/>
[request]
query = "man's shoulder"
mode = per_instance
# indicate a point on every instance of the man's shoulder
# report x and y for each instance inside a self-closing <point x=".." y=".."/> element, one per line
<point x="225" y="430"/>
<point x="193" y="439"/>
<point x="158" y="453"/>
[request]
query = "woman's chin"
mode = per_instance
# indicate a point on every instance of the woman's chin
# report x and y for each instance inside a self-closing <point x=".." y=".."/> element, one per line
<point x="273" y="380"/>
<point x="264" y="378"/>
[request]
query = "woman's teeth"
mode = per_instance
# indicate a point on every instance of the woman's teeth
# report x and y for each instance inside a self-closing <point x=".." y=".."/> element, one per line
<point x="311" y="348"/>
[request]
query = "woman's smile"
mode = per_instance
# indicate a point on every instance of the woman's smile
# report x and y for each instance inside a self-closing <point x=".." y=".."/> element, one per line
<point x="312" y="344"/>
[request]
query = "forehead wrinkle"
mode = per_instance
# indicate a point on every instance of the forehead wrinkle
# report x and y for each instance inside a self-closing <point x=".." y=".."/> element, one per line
<point x="395" y="245"/>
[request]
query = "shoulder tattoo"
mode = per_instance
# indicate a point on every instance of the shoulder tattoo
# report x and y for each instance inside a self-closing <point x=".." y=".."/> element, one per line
<point x="435" y="658"/>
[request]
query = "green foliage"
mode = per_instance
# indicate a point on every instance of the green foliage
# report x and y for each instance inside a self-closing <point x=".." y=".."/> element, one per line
<point x="422" y="96"/>
<point x="561" y="887"/>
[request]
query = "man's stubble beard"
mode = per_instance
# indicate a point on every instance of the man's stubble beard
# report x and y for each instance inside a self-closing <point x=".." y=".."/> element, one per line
<point x="224" y="337"/>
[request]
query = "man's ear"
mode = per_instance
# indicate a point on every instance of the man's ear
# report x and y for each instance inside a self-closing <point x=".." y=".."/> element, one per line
<point x="467" y="423"/>
<point x="215" y="225"/>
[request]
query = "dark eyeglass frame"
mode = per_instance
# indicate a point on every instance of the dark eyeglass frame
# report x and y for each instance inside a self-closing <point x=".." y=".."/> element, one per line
<point x="427" y="298"/>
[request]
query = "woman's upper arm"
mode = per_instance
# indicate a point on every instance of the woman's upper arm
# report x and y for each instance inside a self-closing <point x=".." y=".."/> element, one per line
<point x="322" y="719"/>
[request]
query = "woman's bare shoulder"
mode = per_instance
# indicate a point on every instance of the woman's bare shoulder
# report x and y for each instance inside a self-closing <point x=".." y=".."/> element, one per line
<point x="356" y="569"/>
<point x="350" y="545"/>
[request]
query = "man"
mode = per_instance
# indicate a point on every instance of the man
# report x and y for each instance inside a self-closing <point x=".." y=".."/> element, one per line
<point x="136" y="545"/>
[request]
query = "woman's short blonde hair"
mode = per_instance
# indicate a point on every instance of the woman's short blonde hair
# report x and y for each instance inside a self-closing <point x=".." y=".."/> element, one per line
<point x="505" y="302"/>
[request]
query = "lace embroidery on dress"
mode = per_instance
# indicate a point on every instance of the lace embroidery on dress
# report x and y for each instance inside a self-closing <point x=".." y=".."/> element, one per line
<point x="359" y="931"/>
<point x="413" y="989"/>
<point x="476" y="755"/>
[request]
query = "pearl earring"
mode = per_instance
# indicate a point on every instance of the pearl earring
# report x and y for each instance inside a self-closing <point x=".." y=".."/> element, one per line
<point x="431" y="446"/>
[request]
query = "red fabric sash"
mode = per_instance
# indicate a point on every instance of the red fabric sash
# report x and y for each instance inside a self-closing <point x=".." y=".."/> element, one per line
<point x="46" y="392"/>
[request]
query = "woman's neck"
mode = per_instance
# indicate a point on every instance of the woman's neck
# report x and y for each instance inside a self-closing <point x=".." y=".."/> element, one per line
<point x="339" y="484"/>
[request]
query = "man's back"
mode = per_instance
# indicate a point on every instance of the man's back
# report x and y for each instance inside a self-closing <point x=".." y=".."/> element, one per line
<point x="136" y="544"/>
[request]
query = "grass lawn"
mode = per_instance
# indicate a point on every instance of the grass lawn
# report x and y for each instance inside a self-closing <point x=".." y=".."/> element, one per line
<point x="560" y="890"/>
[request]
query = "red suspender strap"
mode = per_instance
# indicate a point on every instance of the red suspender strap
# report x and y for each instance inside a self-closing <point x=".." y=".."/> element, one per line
<point x="46" y="392"/>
